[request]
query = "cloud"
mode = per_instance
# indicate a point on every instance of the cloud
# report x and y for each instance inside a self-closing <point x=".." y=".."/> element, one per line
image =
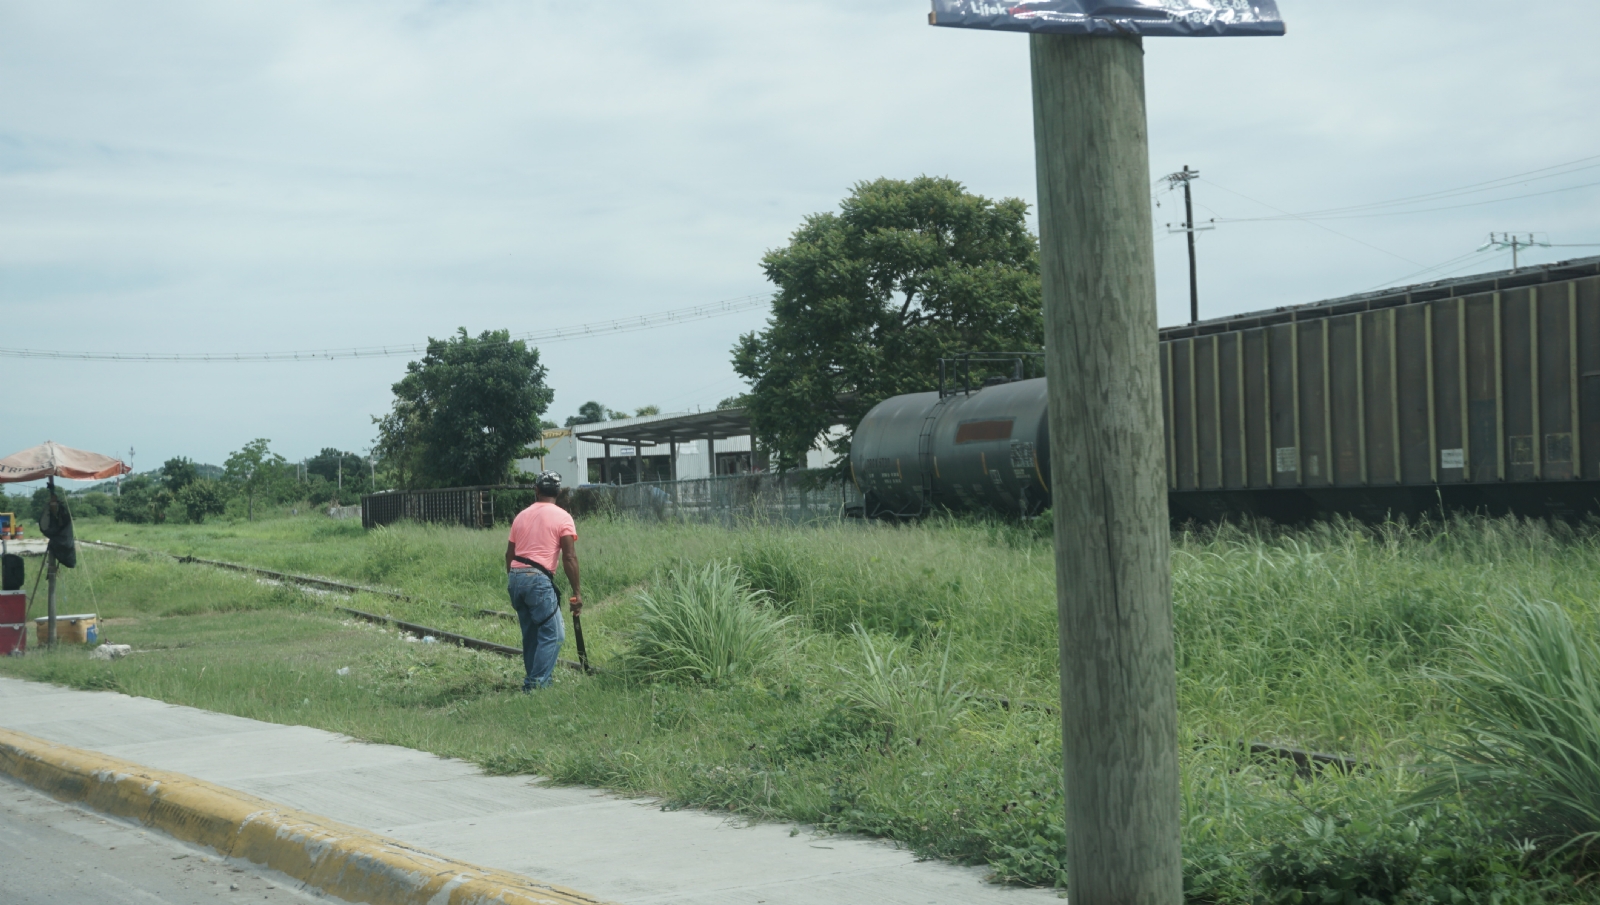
<point x="188" y="176"/>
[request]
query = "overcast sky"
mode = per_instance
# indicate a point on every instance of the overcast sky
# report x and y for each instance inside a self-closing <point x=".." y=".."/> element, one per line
<point x="216" y="177"/>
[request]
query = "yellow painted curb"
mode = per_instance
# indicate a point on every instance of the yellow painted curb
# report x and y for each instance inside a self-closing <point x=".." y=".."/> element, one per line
<point x="340" y="860"/>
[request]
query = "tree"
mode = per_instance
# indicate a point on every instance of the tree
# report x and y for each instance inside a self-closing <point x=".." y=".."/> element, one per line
<point x="254" y="469"/>
<point x="646" y="410"/>
<point x="399" y="443"/>
<point x="592" y="412"/>
<point x="870" y="298"/>
<point x="347" y="471"/>
<point x="465" y="412"/>
<point x="178" y="473"/>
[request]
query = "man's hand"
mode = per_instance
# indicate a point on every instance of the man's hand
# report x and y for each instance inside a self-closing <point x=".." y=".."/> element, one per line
<point x="569" y="563"/>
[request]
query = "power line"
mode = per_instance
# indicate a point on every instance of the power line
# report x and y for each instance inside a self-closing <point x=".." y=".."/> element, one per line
<point x="1420" y="210"/>
<point x="541" y="337"/>
<point x="1361" y="211"/>
<point x="1486" y="186"/>
<point x="1469" y="257"/>
<point x="1287" y="215"/>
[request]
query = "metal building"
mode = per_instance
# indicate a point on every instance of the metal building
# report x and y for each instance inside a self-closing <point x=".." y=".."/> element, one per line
<point x="656" y="448"/>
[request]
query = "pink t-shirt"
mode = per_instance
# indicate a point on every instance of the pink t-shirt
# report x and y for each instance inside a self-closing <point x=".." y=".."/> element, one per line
<point x="537" y="531"/>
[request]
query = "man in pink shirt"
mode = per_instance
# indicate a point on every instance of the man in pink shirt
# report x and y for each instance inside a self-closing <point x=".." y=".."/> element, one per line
<point x="539" y="535"/>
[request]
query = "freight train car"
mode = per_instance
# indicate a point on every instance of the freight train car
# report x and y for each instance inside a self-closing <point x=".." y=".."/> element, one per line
<point x="1480" y="393"/>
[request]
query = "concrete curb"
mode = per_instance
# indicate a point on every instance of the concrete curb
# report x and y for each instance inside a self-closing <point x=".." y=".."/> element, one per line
<point x="342" y="861"/>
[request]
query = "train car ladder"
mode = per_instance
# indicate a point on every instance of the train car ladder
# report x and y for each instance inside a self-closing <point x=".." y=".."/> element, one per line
<point x="925" y="465"/>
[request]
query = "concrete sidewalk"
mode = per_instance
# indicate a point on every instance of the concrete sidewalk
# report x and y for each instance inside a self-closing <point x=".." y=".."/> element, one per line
<point x="623" y="851"/>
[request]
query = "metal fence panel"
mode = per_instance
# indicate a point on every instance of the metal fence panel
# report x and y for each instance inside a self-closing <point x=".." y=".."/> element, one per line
<point x="796" y="497"/>
<point x="793" y="498"/>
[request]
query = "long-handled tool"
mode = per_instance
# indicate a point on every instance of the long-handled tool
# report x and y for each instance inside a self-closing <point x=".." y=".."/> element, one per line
<point x="577" y="632"/>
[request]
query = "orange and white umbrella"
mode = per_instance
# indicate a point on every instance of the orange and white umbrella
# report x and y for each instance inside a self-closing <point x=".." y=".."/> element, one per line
<point x="52" y="460"/>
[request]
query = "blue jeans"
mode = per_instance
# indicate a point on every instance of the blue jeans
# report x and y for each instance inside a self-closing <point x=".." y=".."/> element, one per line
<point x="539" y="611"/>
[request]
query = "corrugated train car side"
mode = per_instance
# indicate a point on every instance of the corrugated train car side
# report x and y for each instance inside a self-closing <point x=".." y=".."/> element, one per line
<point x="1484" y="396"/>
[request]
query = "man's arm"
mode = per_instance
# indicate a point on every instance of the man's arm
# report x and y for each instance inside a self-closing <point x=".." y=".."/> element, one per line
<point x="511" y="550"/>
<point x="569" y="564"/>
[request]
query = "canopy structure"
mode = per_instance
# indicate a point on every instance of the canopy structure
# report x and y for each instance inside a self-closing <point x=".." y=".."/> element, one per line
<point x="52" y="460"/>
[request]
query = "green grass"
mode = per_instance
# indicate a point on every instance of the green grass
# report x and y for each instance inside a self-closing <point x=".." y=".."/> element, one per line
<point x="1335" y="638"/>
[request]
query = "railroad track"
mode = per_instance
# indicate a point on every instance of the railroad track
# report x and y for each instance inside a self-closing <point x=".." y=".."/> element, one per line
<point x="326" y="584"/>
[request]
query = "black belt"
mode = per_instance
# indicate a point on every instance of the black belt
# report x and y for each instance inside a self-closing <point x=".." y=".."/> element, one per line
<point x="546" y="572"/>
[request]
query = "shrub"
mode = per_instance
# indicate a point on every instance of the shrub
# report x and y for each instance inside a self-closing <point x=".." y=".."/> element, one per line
<point x="135" y="505"/>
<point x="201" y="498"/>
<point x="1436" y="856"/>
<point x="92" y="504"/>
<point x="704" y="624"/>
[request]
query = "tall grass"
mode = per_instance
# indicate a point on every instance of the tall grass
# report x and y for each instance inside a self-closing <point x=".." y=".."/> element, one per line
<point x="1337" y="637"/>
<point x="704" y="624"/>
<point x="915" y="701"/>
<point x="1530" y="687"/>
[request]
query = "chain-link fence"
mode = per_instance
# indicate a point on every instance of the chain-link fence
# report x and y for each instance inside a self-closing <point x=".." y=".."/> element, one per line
<point x="797" y="497"/>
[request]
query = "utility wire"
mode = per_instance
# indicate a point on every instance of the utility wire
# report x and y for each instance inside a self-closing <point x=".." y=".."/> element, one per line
<point x="541" y="337"/>
<point x="1373" y="209"/>
<point x="1287" y="215"/>
<point x="1421" y="210"/>
<point x="1471" y="254"/>
<point x="1490" y="185"/>
<point x="1437" y="269"/>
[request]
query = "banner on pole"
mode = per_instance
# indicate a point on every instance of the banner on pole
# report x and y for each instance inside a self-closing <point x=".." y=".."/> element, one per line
<point x="1144" y="18"/>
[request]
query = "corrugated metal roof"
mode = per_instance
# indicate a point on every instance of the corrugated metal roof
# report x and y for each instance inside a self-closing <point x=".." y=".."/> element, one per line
<point x="1455" y="287"/>
<point x="718" y="425"/>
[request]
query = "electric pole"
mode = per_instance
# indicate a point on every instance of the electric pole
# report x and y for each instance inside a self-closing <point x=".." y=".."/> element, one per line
<point x="1119" y="712"/>
<point x="1187" y="176"/>
<point x="1113" y="571"/>
<point x="1515" y="242"/>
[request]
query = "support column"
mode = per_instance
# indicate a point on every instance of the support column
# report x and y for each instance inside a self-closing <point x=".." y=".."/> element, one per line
<point x="1113" y="578"/>
<point x="605" y="466"/>
<point x="711" y="455"/>
<point x="50" y="600"/>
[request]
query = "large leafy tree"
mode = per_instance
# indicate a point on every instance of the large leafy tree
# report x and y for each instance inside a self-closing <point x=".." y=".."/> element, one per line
<point x="465" y="412"/>
<point x="178" y="473"/>
<point x="869" y="298"/>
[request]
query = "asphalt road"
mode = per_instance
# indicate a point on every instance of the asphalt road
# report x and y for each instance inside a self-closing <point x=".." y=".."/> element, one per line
<point x="58" y="853"/>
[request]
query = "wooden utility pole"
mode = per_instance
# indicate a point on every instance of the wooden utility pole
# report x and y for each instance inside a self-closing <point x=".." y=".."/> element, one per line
<point x="1187" y="176"/>
<point x="1113" y="584"/>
